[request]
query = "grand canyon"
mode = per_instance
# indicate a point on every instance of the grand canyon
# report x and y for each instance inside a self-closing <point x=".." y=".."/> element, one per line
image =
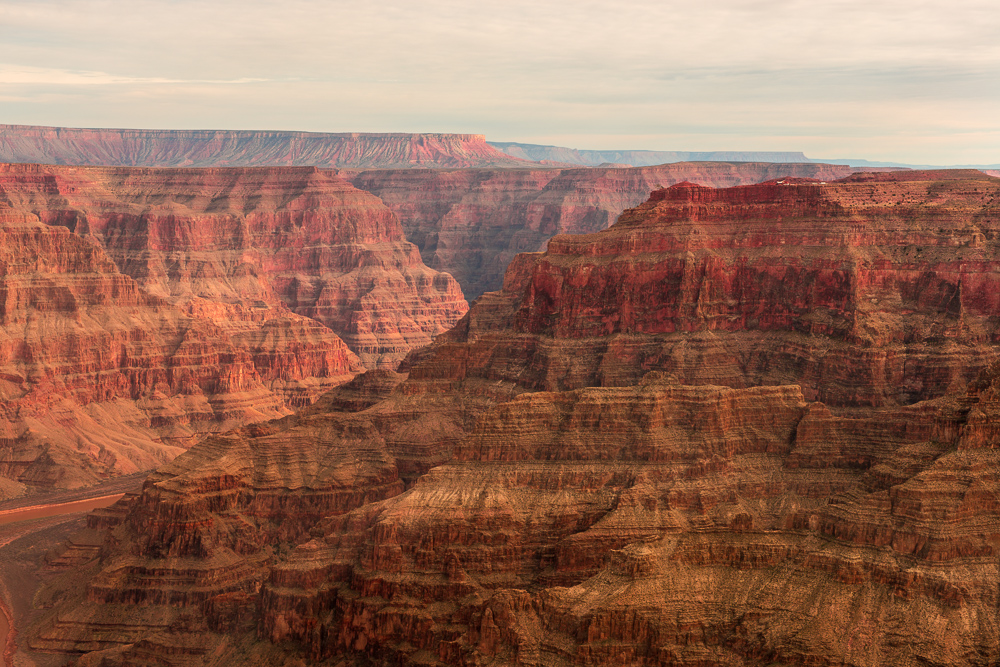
<point x="698" y="413"/>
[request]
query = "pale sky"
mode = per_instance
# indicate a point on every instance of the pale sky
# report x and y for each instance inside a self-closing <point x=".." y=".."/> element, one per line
<point x="908" y="81"/>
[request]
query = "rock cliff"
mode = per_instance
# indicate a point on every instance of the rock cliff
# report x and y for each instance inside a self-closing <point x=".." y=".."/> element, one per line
<point x="143" y="307"/>
<point x="539" y="491"/>
<point x="471" y="223"/>
<point x="874" y="290"/>
<point x="245" y="148"/>
<point x="102" y="378"/>
<point x="234" y="244"/>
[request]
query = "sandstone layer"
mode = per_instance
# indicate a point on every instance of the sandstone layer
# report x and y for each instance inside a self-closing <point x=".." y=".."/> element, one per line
<point x="237" y="244"/>
<point x="144" y="307"/>
<point x="471" y="223"/>
<point x="242" y="148"/>
<point x="875" y="290"/>
<point x="100" y="377"/>
<point x="537" y="492"/>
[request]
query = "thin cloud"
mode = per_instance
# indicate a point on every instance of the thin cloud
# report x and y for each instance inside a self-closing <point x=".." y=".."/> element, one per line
<point x="44" y="76"/>
<point x="679" y="75"/>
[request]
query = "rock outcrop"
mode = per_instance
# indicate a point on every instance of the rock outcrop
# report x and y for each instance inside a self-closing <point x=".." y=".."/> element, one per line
<point x="471" y="223"/>
<point x="875" y="290"/>
<point x="246" y="148"/>
<point x="236" y="244"/>
<point x="540" y="491"/>
<point x="102" y="378"/>
<point x="142" y="308"/>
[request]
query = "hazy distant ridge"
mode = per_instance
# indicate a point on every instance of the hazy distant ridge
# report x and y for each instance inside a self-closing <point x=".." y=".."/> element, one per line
<point x="587" y="158"/>
<point x="539" y="153"/>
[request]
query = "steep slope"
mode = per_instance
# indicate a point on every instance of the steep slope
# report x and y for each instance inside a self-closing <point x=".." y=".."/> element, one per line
<point x="875" y="290"/>
<point x="472" y="223"/>
<point x="541" y="491"/>
<point x="101" y="378"/>
<point x="186" y="302"/>
<point x="245" y="148"/>
<point x="227" y="243"/>
<point x="663" y="524"/>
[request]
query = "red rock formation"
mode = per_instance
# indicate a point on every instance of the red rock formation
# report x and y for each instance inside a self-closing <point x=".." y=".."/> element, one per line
<point x="181" y="305"/>
<point x="870" y="291"/>
<point x="243" y="148"/>
<point x="494" y="509"/>
<point x="472" y="223"/>
<point x="234" y="244"/>
<point x="100" y="377"/>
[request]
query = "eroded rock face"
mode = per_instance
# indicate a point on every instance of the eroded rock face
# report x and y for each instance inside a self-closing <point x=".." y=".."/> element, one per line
<point x="100" y="377"/>
<point x="471" y="223"/>
<point x="875" y="290"/>
<point x="504" y="504"/>
<point x="235" y="244"/>
<point x="241" y="148"/>
<point x="144" y="307"/>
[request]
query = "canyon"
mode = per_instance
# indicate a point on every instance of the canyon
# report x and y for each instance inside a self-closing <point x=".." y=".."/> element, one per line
<point x="472" y="222"/>
<point x="143" y="308"/>
<point x="743" y="425"/>
<point x="241" y="264"/>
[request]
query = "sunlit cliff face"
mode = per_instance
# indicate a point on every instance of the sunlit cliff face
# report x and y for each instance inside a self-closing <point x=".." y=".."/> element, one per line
<point x="615" y="455"/>
<point x="147" y="307"/>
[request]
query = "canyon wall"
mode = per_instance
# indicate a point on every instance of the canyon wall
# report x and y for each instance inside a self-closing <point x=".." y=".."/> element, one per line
<point x="229" y="242"/>
<point x="874" y="290"/>
<point x="143" y="308"/>
<point x="102" y="378"/>
<point x="245" y="148"/>
<point x="471" y="223"/>
<point x="539" y="490"/>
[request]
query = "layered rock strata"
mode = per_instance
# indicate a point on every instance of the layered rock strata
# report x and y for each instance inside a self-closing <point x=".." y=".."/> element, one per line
<point x="100" y="377"/>
<point x="875" y="290"/>
<point x="665" y="524"/>
<point x="471" y="223"/>
<point x="237" y="244"/>
<point x="508" y="504"/>
<point x="242" y="148"/>
<point x="144" y="307"/>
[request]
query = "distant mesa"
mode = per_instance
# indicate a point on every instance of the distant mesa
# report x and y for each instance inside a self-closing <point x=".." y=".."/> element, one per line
<point x="246" y="148"/>
<point x="352" y="150"/>
<point x="562" y="156"/>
